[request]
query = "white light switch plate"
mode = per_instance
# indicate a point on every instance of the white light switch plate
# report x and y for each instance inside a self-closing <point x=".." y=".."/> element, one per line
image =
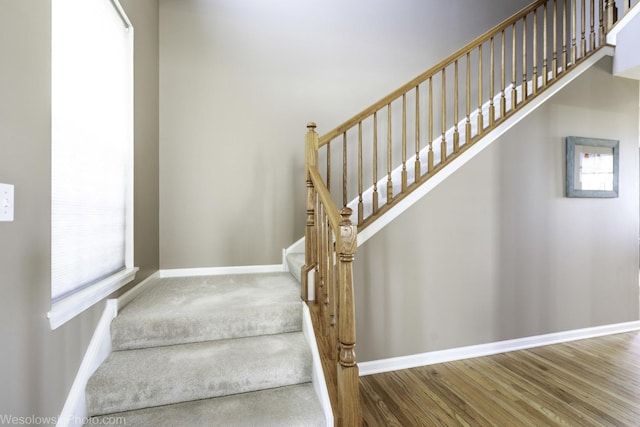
<point x="6" y="202"/>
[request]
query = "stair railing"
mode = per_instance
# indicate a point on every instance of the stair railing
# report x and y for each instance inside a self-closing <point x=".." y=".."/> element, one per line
<point x="405" y="138"/>
<point x="331" y="242"/>
<point x="457" y="102"/>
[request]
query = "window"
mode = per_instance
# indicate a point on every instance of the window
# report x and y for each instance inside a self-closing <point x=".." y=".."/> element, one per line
<point x="91" y="154"/>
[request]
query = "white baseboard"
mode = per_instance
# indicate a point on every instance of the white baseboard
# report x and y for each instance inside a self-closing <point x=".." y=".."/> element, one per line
<point x="128" y="296"/>
<point x="297" y="247"/>
<point x="317" y="376"/>
<point x="285" y="264"/>
<point x="416" y="360"/>
<point x="74" y="412"/>
<point x="218" y="271"/>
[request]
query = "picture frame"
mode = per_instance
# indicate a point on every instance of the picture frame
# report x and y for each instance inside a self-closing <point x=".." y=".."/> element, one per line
<point x="592" y="167"/>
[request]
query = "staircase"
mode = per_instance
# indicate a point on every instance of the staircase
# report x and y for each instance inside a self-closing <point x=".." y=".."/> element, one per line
<point x="206" y="351"/>
<point x="229" y="350"/>
<point x="366" y="171"/>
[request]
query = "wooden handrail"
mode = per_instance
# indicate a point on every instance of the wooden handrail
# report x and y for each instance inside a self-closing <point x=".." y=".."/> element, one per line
<point x="325" y="138"/>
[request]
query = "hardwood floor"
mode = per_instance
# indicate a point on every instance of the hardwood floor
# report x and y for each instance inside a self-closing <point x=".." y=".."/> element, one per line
<point x="594" y="382"/>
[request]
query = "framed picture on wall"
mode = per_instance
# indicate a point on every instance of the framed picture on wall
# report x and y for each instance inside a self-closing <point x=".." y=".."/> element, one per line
<point x="592" y="167"/>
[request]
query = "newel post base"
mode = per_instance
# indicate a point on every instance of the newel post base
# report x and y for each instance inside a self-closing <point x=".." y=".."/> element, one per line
<point x="349" y="410"/>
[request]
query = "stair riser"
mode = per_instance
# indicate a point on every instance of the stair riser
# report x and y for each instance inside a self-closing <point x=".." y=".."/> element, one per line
<point x="244" y="322"/>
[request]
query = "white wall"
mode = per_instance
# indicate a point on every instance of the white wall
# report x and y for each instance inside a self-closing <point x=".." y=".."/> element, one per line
<point x="627" y="60"/>
<point x="497" y="252"/>
<point x="240" y="80"/>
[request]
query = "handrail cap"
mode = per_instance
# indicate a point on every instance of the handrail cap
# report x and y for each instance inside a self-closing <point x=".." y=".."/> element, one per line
<point x="311" y="125"/>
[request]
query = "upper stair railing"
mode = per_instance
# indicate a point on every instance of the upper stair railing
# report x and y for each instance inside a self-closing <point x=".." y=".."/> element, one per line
<point x="413" y="133"/>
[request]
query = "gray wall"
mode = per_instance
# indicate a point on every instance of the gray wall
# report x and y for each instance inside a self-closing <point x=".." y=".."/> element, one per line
<point x="39" y="365"/>
<point x="240" y="80"/>
<point x="497" y="252"/>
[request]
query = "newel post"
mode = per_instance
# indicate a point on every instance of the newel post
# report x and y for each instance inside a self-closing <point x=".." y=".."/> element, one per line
<point x="350" y="412"/>
<point x="311" y="160"/>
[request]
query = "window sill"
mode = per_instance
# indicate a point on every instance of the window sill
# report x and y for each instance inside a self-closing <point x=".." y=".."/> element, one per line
<point x="66" y="309"/>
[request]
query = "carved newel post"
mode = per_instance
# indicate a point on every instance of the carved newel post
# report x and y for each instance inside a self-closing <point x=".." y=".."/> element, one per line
<point x="311" y="160"/>
<point x="348" y="378"/>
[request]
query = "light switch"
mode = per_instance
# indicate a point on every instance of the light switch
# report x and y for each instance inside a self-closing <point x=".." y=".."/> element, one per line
<point x="6" y="202"/>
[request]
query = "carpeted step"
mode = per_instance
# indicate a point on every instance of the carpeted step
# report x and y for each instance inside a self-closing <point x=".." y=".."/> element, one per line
<point x="295" y="261"/>
<point x="195" y="309"/>
<point x="150" y="377"/>
<point x="286" y="406"/>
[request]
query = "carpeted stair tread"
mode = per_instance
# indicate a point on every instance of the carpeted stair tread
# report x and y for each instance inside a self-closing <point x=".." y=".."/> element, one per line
<point x="195" y="309"/>
<point x="295" y="261"/>
<point x="149" y="377"/>
<point x="291" y="406"/>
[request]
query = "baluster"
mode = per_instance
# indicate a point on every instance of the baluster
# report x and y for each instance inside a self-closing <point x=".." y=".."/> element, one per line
<point x="318" y="252"/>
<point x="627" y="6"/>
<point x="360" y="201"/>
<point x="514" y="92"/>
<point x="326" y="275"/>
<point x="611" y="4"/>
<point x="329" y="166"/>
<point x="545" y="71"/>
<point x="331" y="289"/>
<point x="554" y="61"/>
<point x="456" y="133"/>
<point x="417" y="163"/>
<point x="375" y="163"/>
<point x="389" y="163"/>
<point x="430" y="155"/>
<point x="404" y="142"/>
<point x="348" y="378"/>
<point x="525" y="84"/>
<point x="503" y="78"/>
<point x="564" y="36"/>
<point x="534" y="78"/>
<point x="321" y="295"/>
<point x="310" y="255"/>
<point x="344" y="169"/>
<point x="583" y="25"/>
<point x="467" y="127"/>
<point x="592" y="34"/>
<point x="601" y="37"/>
<point x="573" y="33"/>
<point x="480" y="80"/>
<point x="443" y="142"/>
<point x="492" y="108"/>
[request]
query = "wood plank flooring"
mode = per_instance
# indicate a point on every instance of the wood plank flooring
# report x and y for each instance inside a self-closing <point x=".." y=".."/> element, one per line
<point x="594" y="382"/>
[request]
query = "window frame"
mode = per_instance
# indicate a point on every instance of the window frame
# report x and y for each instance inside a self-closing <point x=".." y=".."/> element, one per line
<point x="75" y="303"/>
